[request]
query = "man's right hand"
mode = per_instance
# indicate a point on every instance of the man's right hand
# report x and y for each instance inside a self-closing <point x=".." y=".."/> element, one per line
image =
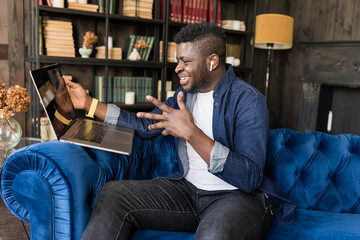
<point x="78" y="95"/>
<point x="81" y="100"/>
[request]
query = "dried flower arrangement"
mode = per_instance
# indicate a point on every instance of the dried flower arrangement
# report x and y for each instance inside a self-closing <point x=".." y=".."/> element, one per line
<point x="140" y="44"/>
<point x="13" y="99"/>
<point x="89" y="39"/>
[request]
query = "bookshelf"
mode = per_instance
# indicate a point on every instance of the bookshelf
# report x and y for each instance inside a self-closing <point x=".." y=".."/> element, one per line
<point x="119" y="27"/>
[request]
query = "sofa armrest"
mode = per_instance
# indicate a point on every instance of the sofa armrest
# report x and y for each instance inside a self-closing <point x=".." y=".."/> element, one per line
<point x="53" y="185"/>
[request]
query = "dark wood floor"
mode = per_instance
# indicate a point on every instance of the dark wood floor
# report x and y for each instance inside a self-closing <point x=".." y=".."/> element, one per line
<point x="10" y="226"/>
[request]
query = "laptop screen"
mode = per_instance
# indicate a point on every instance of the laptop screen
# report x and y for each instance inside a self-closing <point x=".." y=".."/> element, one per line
<point x="54" y="95"/>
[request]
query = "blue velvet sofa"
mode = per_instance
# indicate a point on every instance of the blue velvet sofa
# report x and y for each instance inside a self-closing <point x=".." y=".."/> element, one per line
<point x="54" y="185"/>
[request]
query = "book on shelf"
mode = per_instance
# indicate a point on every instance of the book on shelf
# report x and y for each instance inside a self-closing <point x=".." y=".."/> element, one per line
<point x="58" y="38"/>
<point x="168" y="87"/>
<point x="57" y="48"/>
<point x="58" y="28"/>
<point x="233" y="50"/>
<point x="100" y="88"/>
<point x="211" y="12"/>
<point x="114" y="53"/>
<point x="112" y="6"/>
<point x="57" y="24"/>
<point x="171" y="54"/>
<point x="83" y="7"/>
<point x="144" y="52"/>
<point x="119" y="85"/>
<point x="41" y="37"/>
<point x="139" y="8"/>
<point x="58" y="33"/>
<point x="176" y="10"/>
<point x="192" y="11"/>
<point x="60" y="53"/>
<point x="150" y="44"/>
<point x="55" y="41"/>
<point x="43" y="2"/>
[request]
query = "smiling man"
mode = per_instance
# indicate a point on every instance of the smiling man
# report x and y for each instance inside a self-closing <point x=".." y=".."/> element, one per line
<point x="220" y="126"/>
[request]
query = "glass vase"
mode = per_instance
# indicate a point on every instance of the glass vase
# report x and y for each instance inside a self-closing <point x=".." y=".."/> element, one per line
<point x="10" y="133"/>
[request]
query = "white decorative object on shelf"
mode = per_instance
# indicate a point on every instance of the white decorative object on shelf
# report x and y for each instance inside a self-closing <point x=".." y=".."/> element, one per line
<point x="134" y="55"/>
<point x="85" y="52"/>
<point x="129" y="97"/>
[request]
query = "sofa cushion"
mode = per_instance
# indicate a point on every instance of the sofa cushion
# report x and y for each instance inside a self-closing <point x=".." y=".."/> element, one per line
<point x="318" y="225"/>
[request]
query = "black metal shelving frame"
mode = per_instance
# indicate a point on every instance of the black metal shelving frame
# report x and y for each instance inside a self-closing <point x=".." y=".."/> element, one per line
<point x="160" y="26"/>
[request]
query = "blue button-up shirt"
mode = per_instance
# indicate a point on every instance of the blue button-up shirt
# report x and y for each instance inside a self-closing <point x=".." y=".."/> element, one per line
<point x="240" y="131"/>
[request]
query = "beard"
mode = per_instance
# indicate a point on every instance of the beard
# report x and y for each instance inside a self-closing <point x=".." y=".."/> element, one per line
<point x="201" y="83"/>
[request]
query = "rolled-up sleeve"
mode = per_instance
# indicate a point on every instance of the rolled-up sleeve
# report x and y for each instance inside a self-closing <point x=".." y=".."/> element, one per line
<point x="112" y="114"/>
<point x="218" y="156"/>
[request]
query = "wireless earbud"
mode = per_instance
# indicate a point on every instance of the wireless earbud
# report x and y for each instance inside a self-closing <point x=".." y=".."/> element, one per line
<point x="211" y="65"/>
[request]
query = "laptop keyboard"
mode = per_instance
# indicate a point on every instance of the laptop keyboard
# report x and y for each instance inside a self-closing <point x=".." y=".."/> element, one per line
<point x="90" y="131"/>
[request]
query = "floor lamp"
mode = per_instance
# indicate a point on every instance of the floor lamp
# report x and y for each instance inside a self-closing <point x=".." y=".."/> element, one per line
<point x="273" y="32"/>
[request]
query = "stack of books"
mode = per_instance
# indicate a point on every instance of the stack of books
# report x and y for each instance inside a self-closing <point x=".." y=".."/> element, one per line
<point x="83" y="7"/>
<point x="168" y="87"/>
<point x="171" y="55"/>
<point x="118" y="85"/>
<point x="144" y="52"/>
<point x="113" y="53"/>
<point x="233" y="50"/>
<point x="58" y="36"/>
<point x="233" y="25"/>
<point x="138" y="8"/>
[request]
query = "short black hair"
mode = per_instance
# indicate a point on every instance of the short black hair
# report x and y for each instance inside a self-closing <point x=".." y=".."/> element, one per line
<point x="207" y="38"/>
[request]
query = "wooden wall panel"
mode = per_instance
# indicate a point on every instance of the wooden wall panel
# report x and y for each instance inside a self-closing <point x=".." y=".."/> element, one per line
<point x="3" y="22"/>
<point x="4" y="70"/>
<point x="323" y="19"/>
<point x="344" y="20"/>
<point x="16" y="49"/>
<point x="291" y="88"/>
<point x="355" y="34"/>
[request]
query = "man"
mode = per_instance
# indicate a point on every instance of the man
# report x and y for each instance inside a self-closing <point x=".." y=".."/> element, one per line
<point x="220" y="126"/>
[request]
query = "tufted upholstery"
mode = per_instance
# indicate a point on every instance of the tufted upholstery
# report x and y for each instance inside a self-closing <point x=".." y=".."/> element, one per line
<point x="316" y="170"/>
<point x="321" y="174"/>
<point x="54" y="185"/>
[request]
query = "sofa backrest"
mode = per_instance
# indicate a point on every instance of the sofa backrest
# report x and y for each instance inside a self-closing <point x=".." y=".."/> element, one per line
<point x="150" y="158"/>
<point x="317" y="171"/>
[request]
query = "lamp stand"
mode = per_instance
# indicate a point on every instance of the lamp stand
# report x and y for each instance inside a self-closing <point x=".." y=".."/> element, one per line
<point x="270" y="47"/>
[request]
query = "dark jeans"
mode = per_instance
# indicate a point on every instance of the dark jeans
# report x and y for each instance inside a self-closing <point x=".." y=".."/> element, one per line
<point x="124" y="206"/>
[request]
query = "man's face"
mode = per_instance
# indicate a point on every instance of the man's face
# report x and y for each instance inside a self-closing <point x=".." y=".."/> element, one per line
<point x="191" y="69"/>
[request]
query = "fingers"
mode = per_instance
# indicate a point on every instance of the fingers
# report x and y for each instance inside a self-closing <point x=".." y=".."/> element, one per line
<point x="158" y="104"/>
<point x="70" y="83"/>
<point x="180" y="100"/>
<point x="152" y="116"/>
<point x="61" y="83"/>
<point x="154" y="126"/>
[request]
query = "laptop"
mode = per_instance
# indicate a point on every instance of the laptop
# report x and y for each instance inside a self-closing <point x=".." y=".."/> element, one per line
<point x="55" y="99"/>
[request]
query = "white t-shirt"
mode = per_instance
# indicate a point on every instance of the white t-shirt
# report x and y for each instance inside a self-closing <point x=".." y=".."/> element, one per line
<point x="198" y="173"/>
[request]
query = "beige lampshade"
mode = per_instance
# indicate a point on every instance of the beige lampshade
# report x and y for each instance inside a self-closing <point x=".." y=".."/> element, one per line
<point x="274" y="28"/>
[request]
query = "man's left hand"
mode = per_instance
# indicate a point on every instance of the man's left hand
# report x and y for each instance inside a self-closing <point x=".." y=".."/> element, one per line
<point x="178" y="123"/>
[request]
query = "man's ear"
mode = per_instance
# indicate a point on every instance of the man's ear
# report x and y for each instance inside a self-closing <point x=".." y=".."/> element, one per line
<point x="212" y="62"/>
